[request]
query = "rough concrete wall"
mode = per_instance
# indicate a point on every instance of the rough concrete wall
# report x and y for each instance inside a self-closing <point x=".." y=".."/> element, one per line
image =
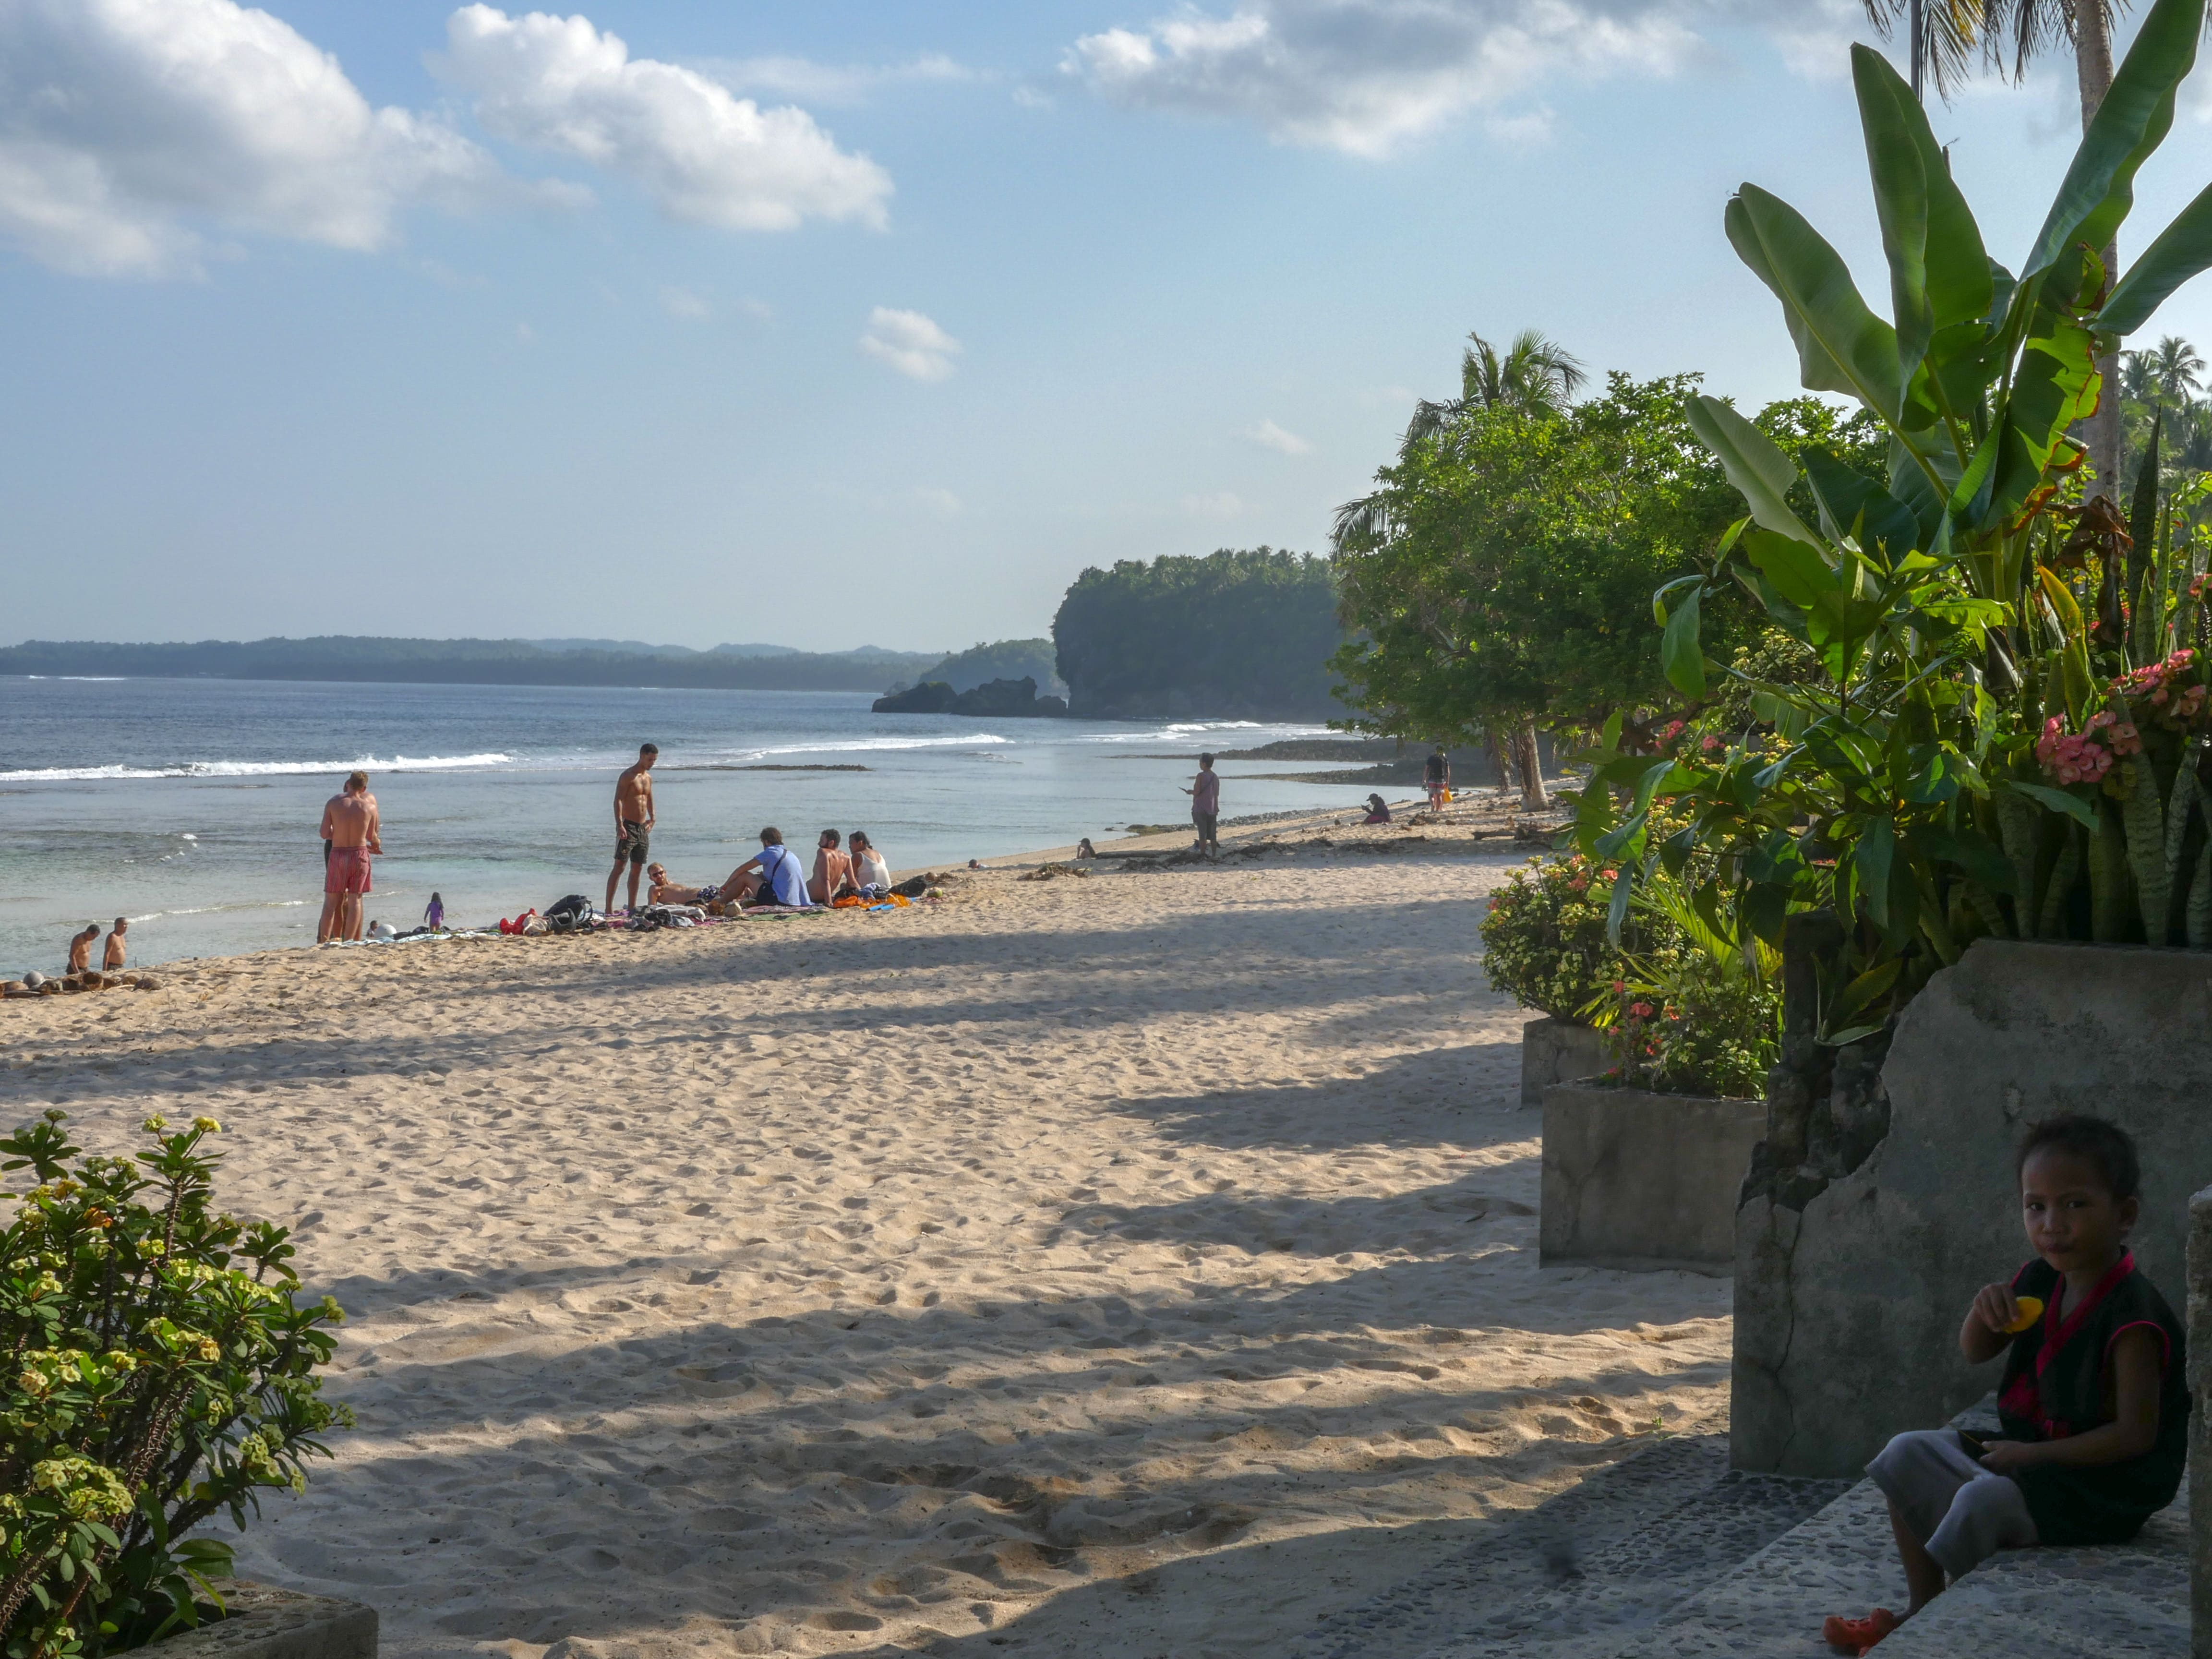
<point x="1636" y="1179"/>
<point x="1848" y="1304"/>
<point x="2200" y="1424"/>
<point x="1557" y="1051"/>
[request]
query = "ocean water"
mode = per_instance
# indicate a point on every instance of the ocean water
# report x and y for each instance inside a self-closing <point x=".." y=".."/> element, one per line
<point x="192" y="805"/>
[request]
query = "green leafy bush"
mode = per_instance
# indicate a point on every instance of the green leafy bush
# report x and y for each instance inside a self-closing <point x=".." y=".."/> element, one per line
<point x="1544" y="941"/>
<point x="159" y="1373"/>
<point x="1703" y="1017"/>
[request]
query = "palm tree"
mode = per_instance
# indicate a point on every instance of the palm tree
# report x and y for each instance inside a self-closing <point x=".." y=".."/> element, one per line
<point x="2175" y="370"/>
<point x="1939" y="37"/>
<point x="1533" y="374"/>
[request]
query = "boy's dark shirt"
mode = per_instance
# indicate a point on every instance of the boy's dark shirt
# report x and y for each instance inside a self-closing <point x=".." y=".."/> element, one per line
<point x="2057" y="1382"/>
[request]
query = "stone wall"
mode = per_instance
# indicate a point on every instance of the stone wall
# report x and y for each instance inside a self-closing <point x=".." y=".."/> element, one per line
<point x="1557" y="1051"/>
<point x="1857" y="1253"/>
<point x="2200" y="1424"/>
<point x="1640" y="1180"/>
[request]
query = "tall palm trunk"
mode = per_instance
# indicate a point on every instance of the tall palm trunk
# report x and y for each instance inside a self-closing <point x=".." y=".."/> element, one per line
<point x="1500" y="755"/>
<point x="2093" y="63"/>
<point x="1532" y="796"/>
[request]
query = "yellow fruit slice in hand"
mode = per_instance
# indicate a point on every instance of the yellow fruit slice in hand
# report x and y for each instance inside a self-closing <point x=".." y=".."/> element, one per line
<point x="2031" y="1310"/>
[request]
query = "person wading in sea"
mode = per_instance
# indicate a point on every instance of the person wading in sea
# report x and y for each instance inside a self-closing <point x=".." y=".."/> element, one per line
<point x="633" y="822"/>
<point x="349" y="829"/>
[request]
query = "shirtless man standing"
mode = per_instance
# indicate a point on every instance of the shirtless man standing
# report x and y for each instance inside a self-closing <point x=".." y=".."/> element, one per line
<point x="80" y="957"/>
<point x="110" y="959"/>
<point x="633" y="822"/>
<point x="350" y="825"/>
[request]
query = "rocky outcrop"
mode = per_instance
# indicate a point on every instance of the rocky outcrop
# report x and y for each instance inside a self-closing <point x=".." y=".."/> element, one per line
<point x="993" y="700"/>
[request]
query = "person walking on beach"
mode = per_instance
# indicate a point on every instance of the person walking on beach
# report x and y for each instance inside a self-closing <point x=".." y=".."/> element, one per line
<point x="1205" y="793"/>
<point x="80" y="955"/>
<point x="350" y="832"/>
<point x="110" y="959"/>
<point x="633" y="822"/>
<point x="1436" y="773"/>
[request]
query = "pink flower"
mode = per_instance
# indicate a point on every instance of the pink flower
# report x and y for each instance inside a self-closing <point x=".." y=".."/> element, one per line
<point x="1709" y="743"/>
<point x="2126" y="740"/>
<point x="1640" y="1010"/>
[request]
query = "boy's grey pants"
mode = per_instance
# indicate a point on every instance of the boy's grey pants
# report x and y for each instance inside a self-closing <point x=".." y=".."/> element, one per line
<point x="1961" y="1513"/>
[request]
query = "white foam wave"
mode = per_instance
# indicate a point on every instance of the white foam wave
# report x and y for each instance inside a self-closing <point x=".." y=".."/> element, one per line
<point x="855" y="746"/>
<point x="255" y="768"/>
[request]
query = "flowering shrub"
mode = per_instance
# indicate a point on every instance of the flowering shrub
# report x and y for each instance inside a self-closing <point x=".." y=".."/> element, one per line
<point x="1690" y="1027"/>
<point x="2085" y="757"/>
<point x="159" y="1373"/>
<point x="1544" y="941"/>
<point x="2174" y="703"/>
<point x="1702" y="1018"/>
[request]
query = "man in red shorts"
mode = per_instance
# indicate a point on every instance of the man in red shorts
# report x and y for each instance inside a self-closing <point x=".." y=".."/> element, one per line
<point x="349" y="837"/>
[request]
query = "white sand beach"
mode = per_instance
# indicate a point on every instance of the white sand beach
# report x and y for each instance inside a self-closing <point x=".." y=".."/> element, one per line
<point x="1137" y="1265"/>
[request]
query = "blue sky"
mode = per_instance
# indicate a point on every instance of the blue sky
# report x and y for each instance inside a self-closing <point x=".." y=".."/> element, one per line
<point x="834" y="323"/>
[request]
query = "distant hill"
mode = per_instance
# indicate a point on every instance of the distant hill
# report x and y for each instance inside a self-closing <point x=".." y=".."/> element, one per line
<point x="470" y="662"/>
<point x="1239" y="635"/>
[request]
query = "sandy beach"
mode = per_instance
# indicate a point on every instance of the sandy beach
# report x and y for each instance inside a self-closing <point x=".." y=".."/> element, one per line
<point x="1143" y="1264"/>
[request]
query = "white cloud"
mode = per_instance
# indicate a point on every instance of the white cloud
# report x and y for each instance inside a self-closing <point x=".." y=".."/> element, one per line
<point x="910" y="343"/>
<point x="1268" y="435"/>
<point x="1365" y="77"/>
<point x="828" y="84"/>
<point x="683" y="304"/>
<point x="942" y="502"/>
<point x="704" y="156"/>
<point x="127" y="126"/>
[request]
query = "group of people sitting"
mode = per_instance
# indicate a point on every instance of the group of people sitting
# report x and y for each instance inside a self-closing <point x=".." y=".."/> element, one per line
<point x="775" y="876"/>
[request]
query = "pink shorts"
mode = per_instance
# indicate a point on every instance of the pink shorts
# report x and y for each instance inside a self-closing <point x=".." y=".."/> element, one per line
<point x="347" y="871"/>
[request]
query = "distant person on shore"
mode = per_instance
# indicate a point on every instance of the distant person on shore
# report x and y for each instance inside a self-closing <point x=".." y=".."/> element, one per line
<point x="832" y="870"/>
<point x="633" y="822"/>
<point x="772" y="876"/>
<point x="351" y="829"/>
<point x="80" y="955"/>
<point x="869" y="869"/>
<point x="1436" y="774"/>
<point x="1205" y="793"/>
<point x="110" y="959"/>
<point x="1378" y="810"/>
<point x="2094" y="1402"/>
<point x="434" y="913"/>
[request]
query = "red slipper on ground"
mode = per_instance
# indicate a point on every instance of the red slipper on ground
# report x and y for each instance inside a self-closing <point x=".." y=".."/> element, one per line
<point x="1858" y="1636"/>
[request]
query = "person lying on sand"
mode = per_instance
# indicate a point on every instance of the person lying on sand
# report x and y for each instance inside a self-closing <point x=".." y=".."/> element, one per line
<point x="111" y="958"/>
<point x="80" y="957"/>
<point x="869" y="869"/>
<point x="833" y="870"/>
<point x="772" y="876"/>
<point x="2094" y="1400"/>
<point x="664" y="891"/>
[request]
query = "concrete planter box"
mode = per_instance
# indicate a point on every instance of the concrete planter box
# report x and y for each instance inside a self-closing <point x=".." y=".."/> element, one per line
<point x="1641" y="1180"/>
<point x="266" y="1623"/>
<point x="2199" y="1315"/>
<point x="1851" y="1277"/>
<point x="1557" y="1051"/>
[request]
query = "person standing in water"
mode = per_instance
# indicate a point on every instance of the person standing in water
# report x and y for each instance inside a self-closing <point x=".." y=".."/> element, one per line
<point x="1205" y="793"/>
<point x="110" y="959"/>
<point x="350" y="828"/>
<point x="633" y="822"/>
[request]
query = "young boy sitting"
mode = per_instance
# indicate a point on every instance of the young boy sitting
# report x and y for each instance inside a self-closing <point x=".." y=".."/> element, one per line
<point x="2093" y="1402"/>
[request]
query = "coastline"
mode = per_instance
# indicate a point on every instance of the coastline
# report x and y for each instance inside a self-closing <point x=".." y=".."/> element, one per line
<point x="1143" y="1262"/>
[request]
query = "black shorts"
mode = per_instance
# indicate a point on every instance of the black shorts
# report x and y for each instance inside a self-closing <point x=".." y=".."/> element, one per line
<point x="631" y="842"/>
<point x="1205" y="821"/>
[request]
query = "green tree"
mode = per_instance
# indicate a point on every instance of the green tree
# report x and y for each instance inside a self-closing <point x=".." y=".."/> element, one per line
<point x="1239" y="633"/>
<point x="1500" y="572"/>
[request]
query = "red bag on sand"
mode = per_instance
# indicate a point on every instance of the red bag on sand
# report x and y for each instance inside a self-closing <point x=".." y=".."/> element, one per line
<point x="517" y="924"/>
